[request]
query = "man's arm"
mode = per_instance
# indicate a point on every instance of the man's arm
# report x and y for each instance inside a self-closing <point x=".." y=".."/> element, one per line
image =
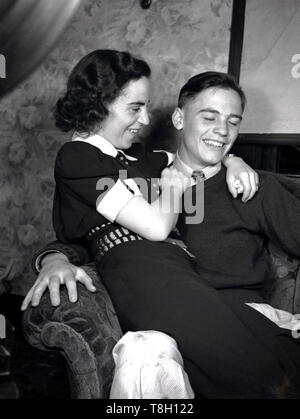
<point x="54" y="268"/>
<point x="75" y="252"/>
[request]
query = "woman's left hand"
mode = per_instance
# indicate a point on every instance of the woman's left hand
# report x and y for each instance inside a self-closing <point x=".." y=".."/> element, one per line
<point x="241" y="178"/>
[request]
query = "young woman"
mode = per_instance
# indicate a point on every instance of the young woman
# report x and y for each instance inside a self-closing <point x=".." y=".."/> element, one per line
<point x="153" y="284"/>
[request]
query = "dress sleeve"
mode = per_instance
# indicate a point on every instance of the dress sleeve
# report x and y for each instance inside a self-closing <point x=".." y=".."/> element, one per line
<point x="281" y="215"/>
<point x="93" y="179"/>
<point x="170" y="156"/>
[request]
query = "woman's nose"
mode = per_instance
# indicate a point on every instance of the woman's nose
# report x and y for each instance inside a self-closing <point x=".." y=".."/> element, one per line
<point x="144" y="117"/>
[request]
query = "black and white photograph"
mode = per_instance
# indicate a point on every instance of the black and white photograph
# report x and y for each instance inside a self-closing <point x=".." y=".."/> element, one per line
<point x="150" y="202"/>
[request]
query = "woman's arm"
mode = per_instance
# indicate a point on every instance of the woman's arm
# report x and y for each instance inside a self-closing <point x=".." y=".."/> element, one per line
<point x="155" y="221"/>
<point x="240" y="177"/>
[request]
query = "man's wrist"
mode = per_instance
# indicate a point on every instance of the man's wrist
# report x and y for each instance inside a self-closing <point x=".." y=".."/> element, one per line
<point x="53" y="257"/>
<point x="47" y="257"/>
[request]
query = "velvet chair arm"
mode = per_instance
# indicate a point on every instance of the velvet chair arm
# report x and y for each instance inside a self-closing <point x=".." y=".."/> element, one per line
<point x="84" y="332"/>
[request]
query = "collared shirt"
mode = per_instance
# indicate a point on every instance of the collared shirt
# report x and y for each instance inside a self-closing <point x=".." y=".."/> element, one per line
<point x="208" y="171"/>
<point x="103" y="144"/>
<point x="79" y="172"/>
<point x="124" y="190"/>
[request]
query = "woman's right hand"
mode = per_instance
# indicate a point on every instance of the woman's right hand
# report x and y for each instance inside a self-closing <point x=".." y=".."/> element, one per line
<point x="173" y="178"/>
<point x="57" y="270"/>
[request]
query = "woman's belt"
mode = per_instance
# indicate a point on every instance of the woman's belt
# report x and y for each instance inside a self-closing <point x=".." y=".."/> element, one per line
<point x="102" y="241"/>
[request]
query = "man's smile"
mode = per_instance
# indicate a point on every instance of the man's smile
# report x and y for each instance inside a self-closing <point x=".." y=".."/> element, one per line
<point x="213" y="143"/>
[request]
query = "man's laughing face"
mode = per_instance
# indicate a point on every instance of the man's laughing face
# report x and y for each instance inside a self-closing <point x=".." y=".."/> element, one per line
<point x="210" y="122"/>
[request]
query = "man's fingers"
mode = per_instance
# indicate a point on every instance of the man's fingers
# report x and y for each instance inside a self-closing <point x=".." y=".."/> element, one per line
<point x="27" y="299"/>
<point x="38" y="291"/>
<point x="86" y="280"/>
<point x="54" y="284"/>
<point x="71" y="285"/>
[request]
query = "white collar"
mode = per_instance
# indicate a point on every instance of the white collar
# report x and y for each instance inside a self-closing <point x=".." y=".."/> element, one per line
<point x="102" y="144"/>
<point x="209" y="171"/>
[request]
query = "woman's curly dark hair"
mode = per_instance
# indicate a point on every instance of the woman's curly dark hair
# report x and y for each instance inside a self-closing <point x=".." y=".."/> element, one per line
<point x="94" y="83"/>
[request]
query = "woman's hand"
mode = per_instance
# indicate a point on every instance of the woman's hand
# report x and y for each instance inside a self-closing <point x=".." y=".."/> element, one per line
<point x="57" y="270"/>
<point x="173" y="178"/>
<point x="241" y="178"/>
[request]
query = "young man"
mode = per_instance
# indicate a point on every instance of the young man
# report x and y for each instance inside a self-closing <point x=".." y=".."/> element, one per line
<point x="230" y="242"/>
<point x="249" y="356"/>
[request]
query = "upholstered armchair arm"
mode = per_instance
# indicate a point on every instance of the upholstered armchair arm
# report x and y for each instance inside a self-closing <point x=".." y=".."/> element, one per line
<point x="84" y="332"/>
<point x="283" y="286"/>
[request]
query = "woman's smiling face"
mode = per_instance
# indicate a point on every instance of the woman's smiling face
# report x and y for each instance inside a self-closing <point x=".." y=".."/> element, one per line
<point x="127" y="114"/>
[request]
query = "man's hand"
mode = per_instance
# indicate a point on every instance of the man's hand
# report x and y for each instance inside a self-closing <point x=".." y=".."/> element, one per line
<point x="241" y="178"/>
<point x="57" y="270"/>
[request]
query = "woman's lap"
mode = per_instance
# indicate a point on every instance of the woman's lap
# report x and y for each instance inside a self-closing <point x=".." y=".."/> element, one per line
<point x="154" y="286"/>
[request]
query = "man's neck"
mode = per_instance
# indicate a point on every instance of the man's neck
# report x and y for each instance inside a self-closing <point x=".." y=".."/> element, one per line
<point x="182" y="166"/>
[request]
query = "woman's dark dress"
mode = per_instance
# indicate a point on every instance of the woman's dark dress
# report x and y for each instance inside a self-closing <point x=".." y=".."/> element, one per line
<point x="229" y="349"/>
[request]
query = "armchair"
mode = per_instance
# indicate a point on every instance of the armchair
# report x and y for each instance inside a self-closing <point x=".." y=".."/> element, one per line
<point x="86" y="331"/>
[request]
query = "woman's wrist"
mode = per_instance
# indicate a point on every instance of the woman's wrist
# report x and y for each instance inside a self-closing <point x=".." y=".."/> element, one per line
<point x="229" y="157"/>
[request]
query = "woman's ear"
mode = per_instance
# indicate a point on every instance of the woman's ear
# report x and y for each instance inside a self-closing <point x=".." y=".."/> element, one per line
<point x="177" y="119"/>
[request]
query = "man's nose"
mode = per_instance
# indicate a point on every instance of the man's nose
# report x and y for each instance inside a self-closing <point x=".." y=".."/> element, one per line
<point x="221" y="128"/>
<point x="144" y="117"/>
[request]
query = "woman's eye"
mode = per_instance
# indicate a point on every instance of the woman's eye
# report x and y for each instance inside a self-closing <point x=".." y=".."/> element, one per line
<point x="135" y="110"/>
<point x="209" y="118"/>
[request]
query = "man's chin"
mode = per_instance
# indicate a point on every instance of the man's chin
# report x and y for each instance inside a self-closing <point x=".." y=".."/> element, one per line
<point x="213" y="160"/>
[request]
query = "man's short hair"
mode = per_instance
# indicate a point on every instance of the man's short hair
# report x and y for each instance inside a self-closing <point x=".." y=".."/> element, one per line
<point x="204" y="81"/>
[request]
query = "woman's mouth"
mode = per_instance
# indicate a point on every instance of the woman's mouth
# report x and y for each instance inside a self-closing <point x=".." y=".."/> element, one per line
<point x="134" y="131"/>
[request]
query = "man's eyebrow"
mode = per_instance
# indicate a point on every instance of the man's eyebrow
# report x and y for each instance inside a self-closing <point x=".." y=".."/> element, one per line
<point x="211" y="110"/>
<point x="137" y="103"/>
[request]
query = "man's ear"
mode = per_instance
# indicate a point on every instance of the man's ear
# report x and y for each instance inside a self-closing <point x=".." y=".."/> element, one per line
<point x="177" y="119"/>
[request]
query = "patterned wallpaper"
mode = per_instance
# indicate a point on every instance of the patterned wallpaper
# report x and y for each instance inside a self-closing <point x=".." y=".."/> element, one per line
<point x="178" y="38"/>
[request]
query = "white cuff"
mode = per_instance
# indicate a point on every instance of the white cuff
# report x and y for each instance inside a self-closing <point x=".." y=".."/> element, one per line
<point x="117" y="198"/>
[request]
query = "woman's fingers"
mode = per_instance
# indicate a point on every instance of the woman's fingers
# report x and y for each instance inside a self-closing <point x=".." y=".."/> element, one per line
<point x="231" y="184"/>
<point x="246" y="186"/>
<point x="254" y="186"/>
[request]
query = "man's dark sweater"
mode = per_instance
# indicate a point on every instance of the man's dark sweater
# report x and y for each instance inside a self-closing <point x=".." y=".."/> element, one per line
<point x="230" y="243"/>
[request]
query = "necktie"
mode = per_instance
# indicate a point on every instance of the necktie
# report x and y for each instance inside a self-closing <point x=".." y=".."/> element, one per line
<point x="198" y="175"/>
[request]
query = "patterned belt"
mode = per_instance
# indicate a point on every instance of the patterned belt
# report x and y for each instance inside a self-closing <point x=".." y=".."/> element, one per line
<point x="103" y="242"/>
